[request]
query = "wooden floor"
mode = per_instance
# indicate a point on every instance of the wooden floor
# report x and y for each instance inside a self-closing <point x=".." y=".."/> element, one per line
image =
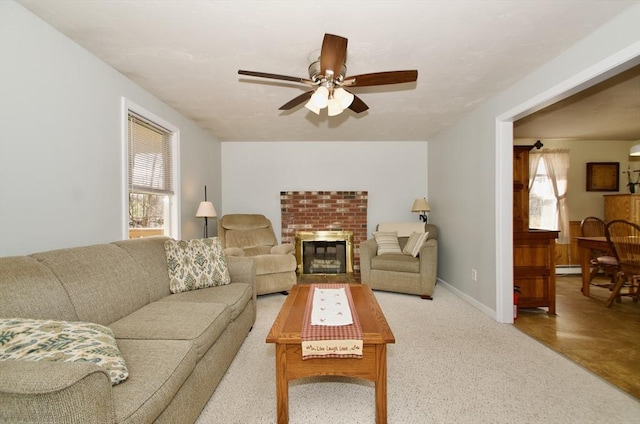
<point x="604" y="340"/>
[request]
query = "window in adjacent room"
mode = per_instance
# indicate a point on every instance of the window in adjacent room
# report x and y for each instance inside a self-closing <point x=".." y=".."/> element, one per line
<point x="548" y="191"/>
<point x="543" y="210"/>
<point x="151" y="186"/>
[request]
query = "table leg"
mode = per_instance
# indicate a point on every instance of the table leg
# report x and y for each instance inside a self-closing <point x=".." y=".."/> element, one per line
<point x="282" y="384"/>
<point x="585" y="256"/>
<point x="381" y="384"/>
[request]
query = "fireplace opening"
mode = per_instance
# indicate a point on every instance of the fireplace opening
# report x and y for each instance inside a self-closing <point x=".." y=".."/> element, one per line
<point x="324" y="252"/>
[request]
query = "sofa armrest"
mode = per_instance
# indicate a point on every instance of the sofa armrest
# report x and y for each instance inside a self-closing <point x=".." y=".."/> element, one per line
<point x="432" y="230"/>
<point x="428" y="262"/>
<point x="242" y="270"/>
<point x="368" y="249"/>
<point x="283" y="249"/>
<point x="55" y="392"/>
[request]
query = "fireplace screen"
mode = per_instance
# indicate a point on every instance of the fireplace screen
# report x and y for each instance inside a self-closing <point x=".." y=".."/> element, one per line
<point x="324" y="252"/>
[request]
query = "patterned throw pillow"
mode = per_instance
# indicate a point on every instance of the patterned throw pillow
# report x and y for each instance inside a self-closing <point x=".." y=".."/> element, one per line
<point x="387" y="242"/>
<point x="62" y="341"/>
<point x="196" y="264"/>
<point x="415" y="242"/>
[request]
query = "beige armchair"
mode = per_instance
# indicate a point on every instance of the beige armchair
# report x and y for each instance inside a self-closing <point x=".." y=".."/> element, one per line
<point x="252" y="235"/>
<point x="397" y="271"/>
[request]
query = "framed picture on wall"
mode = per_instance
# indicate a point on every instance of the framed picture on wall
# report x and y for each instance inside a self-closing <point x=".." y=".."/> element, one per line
<point x="603" y="176"/>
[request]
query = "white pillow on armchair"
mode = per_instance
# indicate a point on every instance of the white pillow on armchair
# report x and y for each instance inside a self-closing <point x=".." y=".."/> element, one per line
<point x="415" y="242"/>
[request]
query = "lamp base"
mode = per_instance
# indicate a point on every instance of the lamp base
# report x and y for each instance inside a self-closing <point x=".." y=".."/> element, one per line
<point x="424" y="218"/>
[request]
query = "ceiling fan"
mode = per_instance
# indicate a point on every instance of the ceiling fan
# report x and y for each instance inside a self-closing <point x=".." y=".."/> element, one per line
<point x="328" y="80"/>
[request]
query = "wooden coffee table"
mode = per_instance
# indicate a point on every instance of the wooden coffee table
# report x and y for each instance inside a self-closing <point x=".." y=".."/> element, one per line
<point x="285" y="333"/>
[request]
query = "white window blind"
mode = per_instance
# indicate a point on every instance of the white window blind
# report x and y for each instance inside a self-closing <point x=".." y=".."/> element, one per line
<point x="149" y="157"/>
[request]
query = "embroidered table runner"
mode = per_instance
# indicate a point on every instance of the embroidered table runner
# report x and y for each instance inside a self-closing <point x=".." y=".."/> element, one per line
<point x="330" y="326"/>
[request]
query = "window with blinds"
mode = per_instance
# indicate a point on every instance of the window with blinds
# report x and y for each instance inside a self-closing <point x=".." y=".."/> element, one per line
<point x="150" y="174"/>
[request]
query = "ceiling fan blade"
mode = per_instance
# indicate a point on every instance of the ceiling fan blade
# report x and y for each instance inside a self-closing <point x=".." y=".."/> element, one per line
<point x="333" y="54"/>
<point x="276" y="76"/>
<point x="358" y="105"/>
<point x="381" y="78"/>
<point x="298" y="100"/>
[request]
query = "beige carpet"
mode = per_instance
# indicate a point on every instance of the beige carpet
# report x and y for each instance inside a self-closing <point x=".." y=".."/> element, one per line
<point x="450" y="364"/>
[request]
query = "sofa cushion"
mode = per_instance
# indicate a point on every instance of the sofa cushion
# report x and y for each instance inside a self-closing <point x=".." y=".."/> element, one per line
<point x="103" y="282"/>
<point x="396" y="262"/>
<point x="235" y="296"/>
<point x="23" y="280"/>
<point x="387" y="242"/>
<point x="148" y="252"/>
<point x="250" y="238"/>
<point x="195" y="264"/>
<point x="233" y="251"/>
<point x="256" y="251"/>
<point x="61" y="341"/>
<point x="158" y="369"/>
<point x="415" y="242"/>
<point x="201" y="323"/>
<point x="244" y="221"/>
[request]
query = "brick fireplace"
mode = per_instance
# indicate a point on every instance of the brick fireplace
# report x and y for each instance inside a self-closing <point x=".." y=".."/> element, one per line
<point x="325" y="211"/>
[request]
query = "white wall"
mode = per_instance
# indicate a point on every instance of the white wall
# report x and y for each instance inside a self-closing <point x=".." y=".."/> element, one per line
<point x="394" y="174"/>
<point x="470" y="165"/>
<point x="60" y="142"/>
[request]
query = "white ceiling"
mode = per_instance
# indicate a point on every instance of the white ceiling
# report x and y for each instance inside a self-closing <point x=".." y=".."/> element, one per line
<point x="188" y="53"/>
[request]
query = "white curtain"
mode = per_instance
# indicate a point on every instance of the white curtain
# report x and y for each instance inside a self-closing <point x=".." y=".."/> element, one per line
<point x="534" y="161"/>
<point x="556" y="162"/>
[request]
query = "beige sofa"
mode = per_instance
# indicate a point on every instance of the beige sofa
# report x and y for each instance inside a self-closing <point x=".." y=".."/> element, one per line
<point x="401" y="273"/>
<point x="252" y="236"/>
<point x="177" y="347"/>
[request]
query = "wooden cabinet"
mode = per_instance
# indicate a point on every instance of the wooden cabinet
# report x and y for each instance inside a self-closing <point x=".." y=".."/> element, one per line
<point x="534" y="256"/>
<point x="534" y="268"/>
<point x="521" y="188"/>
<point x="622" y="206"/>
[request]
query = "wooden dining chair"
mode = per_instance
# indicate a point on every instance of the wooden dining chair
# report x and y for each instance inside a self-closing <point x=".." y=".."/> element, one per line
<point x="601" y="261"/>
<point x="625" y="237"/>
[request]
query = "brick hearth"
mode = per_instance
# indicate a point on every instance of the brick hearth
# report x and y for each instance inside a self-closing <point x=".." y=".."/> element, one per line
<point x="325" y="211"/>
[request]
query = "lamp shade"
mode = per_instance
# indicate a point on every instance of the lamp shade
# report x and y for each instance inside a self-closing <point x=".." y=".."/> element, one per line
<point x="206" y="210"/>
<point x="343" y="97"/>
<point x="321" y="97"/>
<point x="420" y="205"/>
<point x="635" y="150"/>
<point x="312" y="107"/>
<point x="334" y="107"/>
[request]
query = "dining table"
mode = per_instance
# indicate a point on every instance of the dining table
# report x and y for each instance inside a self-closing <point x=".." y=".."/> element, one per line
<point x="585" y="246"/>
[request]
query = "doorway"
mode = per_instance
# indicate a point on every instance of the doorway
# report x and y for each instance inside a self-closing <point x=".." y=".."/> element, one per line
<point x="605" y="69"/>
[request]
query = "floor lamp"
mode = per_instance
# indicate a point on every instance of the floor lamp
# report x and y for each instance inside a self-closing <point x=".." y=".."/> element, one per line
<point x="206" y="211"/>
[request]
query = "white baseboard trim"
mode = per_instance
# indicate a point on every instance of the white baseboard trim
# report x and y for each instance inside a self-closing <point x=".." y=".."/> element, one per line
<point x="566" y="270"/>
<point x="482" y="308"/>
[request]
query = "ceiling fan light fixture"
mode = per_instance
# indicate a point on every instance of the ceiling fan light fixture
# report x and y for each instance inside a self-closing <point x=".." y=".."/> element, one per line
<point x="327" y="76"/>
<point x="344" y="97"/>
<point x="635" y="150"/>
<point x="312" y="107"/>
<point x="321" y="97"/>
<point x="334" y="107"/>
